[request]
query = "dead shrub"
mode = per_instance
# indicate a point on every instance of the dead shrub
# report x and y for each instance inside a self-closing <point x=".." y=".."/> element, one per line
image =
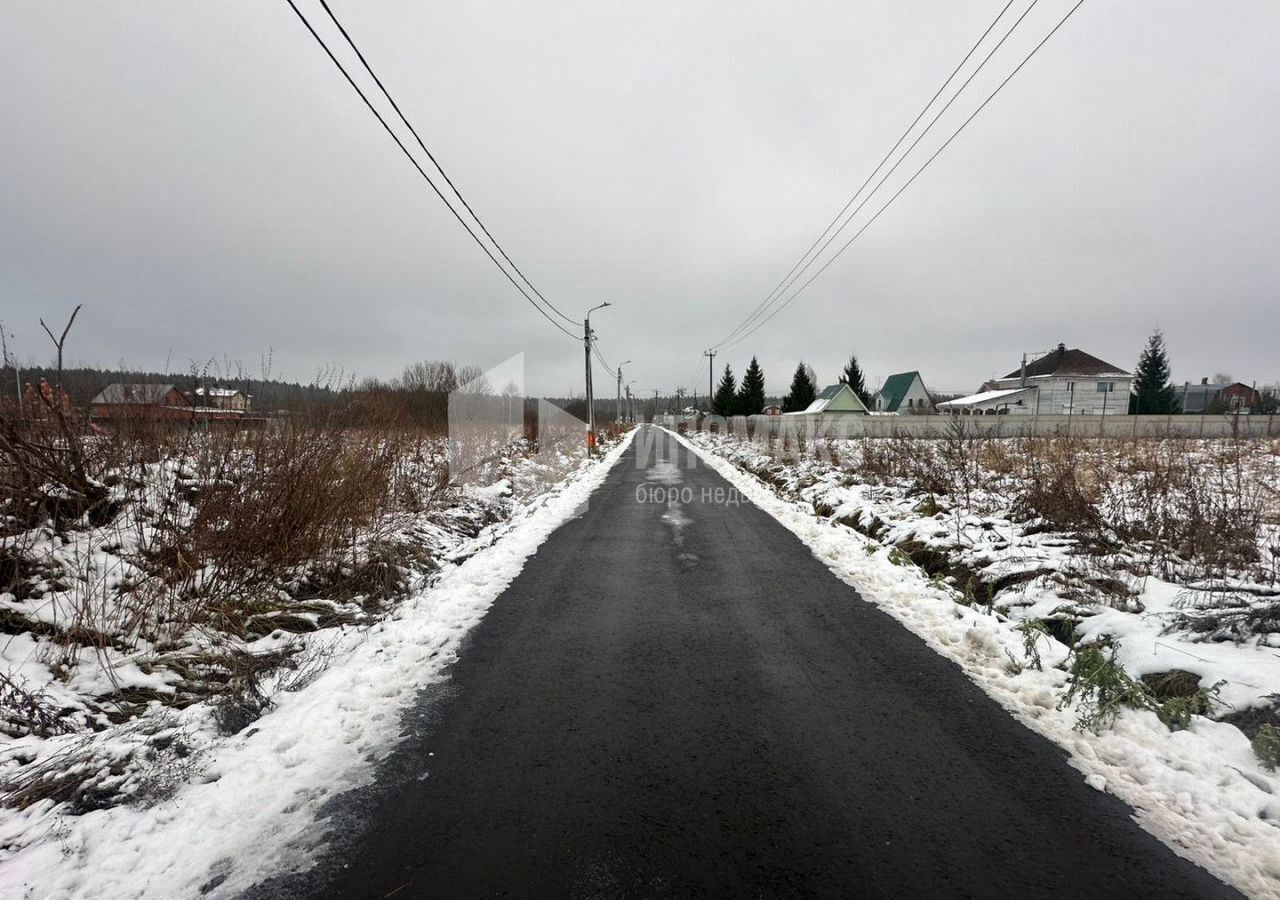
<point x="145" y="763"/>
<point x="26" y="710"/>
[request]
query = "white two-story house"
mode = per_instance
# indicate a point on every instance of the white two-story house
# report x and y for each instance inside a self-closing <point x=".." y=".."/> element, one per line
<point x="1062" y="382"/>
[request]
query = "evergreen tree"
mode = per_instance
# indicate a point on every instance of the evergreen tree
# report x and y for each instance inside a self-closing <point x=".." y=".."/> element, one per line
<point x="852" y="376"/>
<point x="1152" y="392"/>
<point x="724" y="402"/>
<point x="803" y="390"/>
<point x="750" y="400"/>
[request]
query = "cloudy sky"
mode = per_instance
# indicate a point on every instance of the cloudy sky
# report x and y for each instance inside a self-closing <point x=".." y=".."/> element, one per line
<point x="199" y="176"/>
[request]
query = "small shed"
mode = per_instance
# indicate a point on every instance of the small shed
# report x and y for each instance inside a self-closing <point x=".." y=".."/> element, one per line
<point x="772" y="409"/>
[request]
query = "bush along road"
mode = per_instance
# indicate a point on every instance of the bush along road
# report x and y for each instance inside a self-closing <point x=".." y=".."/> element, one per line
<point x="676" y="698"/>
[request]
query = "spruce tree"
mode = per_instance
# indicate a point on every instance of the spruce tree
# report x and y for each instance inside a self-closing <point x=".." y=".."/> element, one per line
<point x="852" y="376"/>
<point x="750" y="400"/>
<point x="803" y="391"/>
<point x="724" y="401"/>
<point x="1152" y="393"/>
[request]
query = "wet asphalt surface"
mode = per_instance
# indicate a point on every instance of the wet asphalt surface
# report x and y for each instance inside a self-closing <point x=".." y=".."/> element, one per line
<point x="680" y="701"/>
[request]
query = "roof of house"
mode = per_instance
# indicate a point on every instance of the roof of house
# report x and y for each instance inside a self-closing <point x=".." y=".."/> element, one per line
<point x="1239" y="387"/>
<point x="830" y="394"/>
<point x="895" y="388"/>
<point x="133" y="393"/>
<point x="1067" y="362"/>
<point x="1200" y="388"/>
<point x="985" y="397"/>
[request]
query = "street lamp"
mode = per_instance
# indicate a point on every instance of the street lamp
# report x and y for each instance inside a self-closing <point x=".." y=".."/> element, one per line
<point x="591" y="406"/>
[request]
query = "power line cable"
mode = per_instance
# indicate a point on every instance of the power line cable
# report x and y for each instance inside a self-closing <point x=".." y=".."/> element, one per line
<point x="909" y="181"/>
<point x="422" y="172"/>
<point x="596" y="350"/>
<point x="908" y="151"/>
<point x="782" y="285"/>
<point x="364" y="62"/>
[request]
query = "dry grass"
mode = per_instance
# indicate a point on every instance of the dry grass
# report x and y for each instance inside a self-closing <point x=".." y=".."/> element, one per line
<point x="1194" y="511"/>
<point x="174" y="545"/>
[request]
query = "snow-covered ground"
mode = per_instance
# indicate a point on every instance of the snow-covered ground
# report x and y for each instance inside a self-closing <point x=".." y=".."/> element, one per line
<point x="230" y="810"/>
<point x="1199" y="788"/>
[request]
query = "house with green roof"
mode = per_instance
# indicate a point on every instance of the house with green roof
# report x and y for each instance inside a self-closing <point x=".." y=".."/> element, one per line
<point x="903" y="393"/>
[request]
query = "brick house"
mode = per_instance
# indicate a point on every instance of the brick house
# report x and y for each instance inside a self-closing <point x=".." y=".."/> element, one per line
<point x="140" y="401"/>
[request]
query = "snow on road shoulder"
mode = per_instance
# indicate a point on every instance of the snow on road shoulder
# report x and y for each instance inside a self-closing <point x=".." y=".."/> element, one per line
<point x="253" y="812"/>
<point x="1200" y="790"/>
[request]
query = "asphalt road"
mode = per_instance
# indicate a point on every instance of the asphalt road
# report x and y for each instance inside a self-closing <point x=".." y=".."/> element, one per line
<point x="681" y="701"/>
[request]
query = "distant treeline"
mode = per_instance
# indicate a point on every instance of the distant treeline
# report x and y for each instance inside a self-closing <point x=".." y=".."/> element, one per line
<point x="419" y="396"/>
<point x="83" y="384"/>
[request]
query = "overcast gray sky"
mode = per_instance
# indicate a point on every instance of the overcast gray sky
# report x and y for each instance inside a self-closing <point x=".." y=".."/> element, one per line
<point x="202" y="180"/>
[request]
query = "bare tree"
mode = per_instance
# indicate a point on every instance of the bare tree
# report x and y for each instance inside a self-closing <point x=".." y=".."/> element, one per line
<point x="60" y="342"/>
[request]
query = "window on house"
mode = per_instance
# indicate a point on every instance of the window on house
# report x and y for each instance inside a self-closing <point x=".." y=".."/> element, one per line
<point x="1106" y="387"/>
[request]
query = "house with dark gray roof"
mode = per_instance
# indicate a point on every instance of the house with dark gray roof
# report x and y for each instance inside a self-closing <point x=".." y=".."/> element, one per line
<point x="140" y="401"/>
<point x="1217" y="397"/>
<point x="1061" y="382"/>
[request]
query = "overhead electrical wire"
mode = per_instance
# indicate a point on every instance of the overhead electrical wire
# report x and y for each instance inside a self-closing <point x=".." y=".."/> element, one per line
<point x="407" y="124"/>
<point x="694" y="379"/>
<point x="917" y="173"/>
<point x="408" y="155"/>
<point x="915" y="143"/>
<point x="787" y="279"/>
<point x="596" y="350"/>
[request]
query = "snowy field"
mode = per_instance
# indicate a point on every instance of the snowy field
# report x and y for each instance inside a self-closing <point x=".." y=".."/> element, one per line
<point x="188" y="754"/>
<point x="1119" y="598"/>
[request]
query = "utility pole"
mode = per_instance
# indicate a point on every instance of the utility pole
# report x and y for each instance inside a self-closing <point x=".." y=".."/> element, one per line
<point x="680" y="401"/>
<point x="711" y="363"/>
<point x="591" y="400"/>
<point x="617" y="409"/>
<point x="586" y="346"/>
<point x="655" y="403"/>
<point x="17" y="375"/>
